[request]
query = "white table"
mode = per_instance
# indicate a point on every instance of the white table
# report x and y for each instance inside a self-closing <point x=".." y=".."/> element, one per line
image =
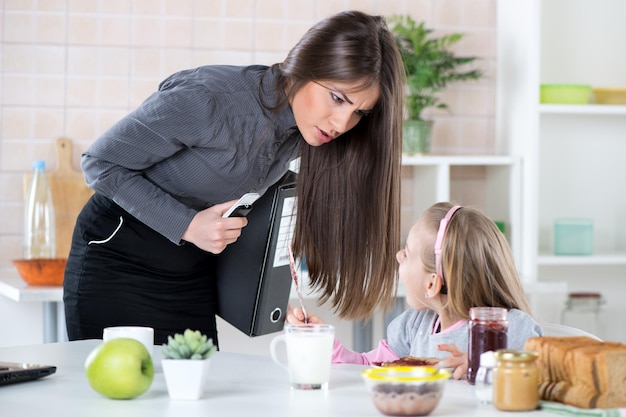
<point x="15" y="288"/>
<point x="239" y="385"/>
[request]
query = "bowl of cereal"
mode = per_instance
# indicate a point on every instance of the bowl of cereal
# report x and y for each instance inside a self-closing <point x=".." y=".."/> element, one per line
<point x="405" y="390"/>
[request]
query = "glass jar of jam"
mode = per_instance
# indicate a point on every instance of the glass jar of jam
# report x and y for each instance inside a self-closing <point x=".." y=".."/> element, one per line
<point x="487" y="331"/>
<point x="515" y="380"/>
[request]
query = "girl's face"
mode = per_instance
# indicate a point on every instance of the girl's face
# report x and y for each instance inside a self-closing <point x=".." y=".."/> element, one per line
<point x="324" y="110"/>
<point x="411" y="269"/>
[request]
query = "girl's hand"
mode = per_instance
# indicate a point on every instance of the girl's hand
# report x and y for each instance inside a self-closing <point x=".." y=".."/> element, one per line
<point x="211" y="232"/>
<point x="457" y="360"/>
<point x="296" y="316"/>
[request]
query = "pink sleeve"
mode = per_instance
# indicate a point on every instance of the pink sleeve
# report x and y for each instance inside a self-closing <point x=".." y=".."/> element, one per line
<point x="382" y="353"/>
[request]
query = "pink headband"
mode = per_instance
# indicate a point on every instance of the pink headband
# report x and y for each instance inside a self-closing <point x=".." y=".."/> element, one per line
<point x="443" y="225"/>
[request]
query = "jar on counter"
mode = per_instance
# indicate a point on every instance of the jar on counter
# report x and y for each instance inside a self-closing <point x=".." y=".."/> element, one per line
<point x="487" y="331"/>
<point x="583" y="310"/>
<point x="515" y="380"/>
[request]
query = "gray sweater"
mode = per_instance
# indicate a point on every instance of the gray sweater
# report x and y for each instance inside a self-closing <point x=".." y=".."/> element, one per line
<point x="411" y="333"/>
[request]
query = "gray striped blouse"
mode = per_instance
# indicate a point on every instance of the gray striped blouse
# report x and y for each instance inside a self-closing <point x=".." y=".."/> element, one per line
<point x="203" y="138"/>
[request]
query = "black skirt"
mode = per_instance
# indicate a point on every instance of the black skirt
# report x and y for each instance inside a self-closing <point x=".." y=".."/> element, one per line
<point x="121" y="272"/>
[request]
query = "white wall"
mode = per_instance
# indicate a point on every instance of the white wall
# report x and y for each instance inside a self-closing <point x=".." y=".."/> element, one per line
<point x="20" y="323"/>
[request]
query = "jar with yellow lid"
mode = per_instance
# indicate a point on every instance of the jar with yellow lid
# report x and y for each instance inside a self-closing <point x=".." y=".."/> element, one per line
<point x="515" y="380"/>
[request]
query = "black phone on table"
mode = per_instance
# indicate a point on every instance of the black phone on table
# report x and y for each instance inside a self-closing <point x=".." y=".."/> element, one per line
<point x="13" y="372"/>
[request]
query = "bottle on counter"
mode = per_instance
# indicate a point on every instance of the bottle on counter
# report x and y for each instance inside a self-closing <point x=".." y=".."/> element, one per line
<point x="583" y="310"/>
<point x="487" y="331"/>
<point x="516" y="380"/>
<point x="484" y="378"/>
<point x="39" y="220"/>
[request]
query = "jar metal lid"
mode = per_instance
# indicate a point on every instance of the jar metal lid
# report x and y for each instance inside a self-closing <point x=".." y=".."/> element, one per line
<point x="585" y="295"/>
<point x="515" y="355"/>
<point x="584" y="300"/>
<point x="406" y="374"/>
<point x="488" y="313"/>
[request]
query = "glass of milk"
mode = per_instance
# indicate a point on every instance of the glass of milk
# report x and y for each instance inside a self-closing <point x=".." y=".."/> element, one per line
<point x="309" y="352"/>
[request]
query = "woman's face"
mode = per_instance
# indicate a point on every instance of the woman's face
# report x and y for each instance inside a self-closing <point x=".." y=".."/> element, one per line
<point x="324" y="110"/>
<point x="411" y="268"/>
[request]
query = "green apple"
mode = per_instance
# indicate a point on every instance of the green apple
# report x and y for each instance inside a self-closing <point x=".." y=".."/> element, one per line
<point x="120" y="368"/>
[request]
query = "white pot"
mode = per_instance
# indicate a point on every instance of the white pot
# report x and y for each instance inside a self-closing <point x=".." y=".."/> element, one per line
<point x="185" y="378"/>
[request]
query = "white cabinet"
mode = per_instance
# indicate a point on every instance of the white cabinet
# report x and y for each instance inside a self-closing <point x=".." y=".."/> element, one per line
<point x="574" y="156"/>
<point x="496" y="189"/>
<point x="582" y="155"/>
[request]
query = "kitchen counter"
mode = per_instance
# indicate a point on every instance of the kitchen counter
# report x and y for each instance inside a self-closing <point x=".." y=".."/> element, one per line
<point x="238" y="385"/>
<point x="14" y="288"/>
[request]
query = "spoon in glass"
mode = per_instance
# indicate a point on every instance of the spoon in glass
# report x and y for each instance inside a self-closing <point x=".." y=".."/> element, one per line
<point x="294" y="276"/>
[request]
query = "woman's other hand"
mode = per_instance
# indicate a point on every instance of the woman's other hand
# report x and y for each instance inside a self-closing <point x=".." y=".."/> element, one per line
<point x="211" y="232"/>
<point x="457" y="360"/>
<point x="296" y="316"/>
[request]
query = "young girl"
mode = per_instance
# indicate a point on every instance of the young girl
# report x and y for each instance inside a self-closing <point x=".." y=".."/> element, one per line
<point x="455" y="258"/>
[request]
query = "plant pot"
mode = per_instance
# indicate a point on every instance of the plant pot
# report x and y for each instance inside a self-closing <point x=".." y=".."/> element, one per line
<point x="185" y="378"/>
<point x="416" y="135"/>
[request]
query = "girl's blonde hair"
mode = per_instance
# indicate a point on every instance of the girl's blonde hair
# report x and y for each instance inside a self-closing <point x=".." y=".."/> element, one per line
<point x="478" y="265"/>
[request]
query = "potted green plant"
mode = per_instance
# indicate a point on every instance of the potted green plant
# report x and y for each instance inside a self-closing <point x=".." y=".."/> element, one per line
<point x="185" y="364"/>
<point x="430" y="66"/>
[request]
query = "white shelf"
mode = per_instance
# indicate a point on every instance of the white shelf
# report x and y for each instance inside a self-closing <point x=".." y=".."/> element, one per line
<point x="591" y="109"/>
<point x="478" y="160"/>
<point x="593" y="260"/>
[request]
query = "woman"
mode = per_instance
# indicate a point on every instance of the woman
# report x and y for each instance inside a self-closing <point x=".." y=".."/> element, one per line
<point x="144" y="245"/>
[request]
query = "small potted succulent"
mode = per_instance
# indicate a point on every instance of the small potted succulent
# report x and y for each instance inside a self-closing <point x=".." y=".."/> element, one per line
<point x="185" y="364"/>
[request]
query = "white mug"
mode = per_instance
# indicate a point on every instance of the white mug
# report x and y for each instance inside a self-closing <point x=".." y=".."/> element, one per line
<point x="145" y="335"/>
<point x="309" y="354"/>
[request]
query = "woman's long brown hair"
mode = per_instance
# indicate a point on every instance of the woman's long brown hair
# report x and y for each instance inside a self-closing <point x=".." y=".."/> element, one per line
<point x="348" y="191"/>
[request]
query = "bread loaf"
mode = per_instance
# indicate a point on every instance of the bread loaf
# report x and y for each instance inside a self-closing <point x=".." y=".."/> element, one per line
<point x="581" y="371"/>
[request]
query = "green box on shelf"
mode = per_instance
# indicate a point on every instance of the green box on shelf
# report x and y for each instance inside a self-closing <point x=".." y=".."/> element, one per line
<point x="564" y="94"/>
<point x="573" y="236"/>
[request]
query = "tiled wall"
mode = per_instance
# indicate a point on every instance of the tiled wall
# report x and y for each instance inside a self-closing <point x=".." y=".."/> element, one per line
<point x="73" y="67"/>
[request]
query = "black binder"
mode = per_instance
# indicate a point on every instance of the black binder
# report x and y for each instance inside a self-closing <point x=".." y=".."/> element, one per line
<point x="253" y="274"/>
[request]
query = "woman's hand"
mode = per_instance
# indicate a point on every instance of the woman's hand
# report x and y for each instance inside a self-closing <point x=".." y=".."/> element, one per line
<point x="211" y="232"/>
<point x="296" y="316"/>
<point x="457" y="360"/>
